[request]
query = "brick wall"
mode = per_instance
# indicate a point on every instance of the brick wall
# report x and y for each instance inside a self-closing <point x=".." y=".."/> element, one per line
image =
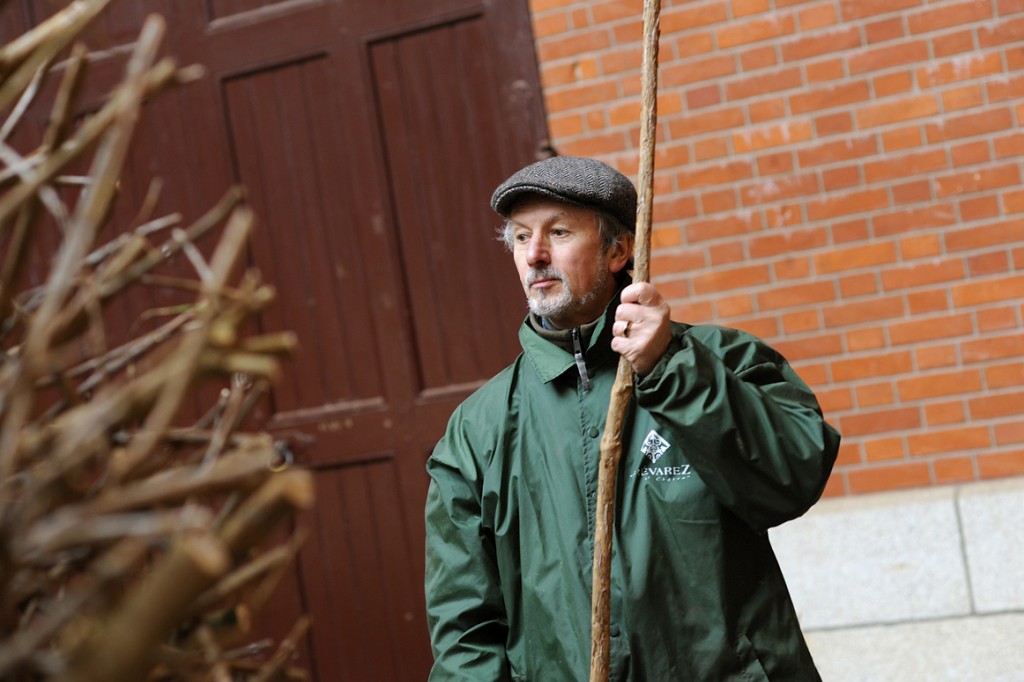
<point x="844" y="179"/>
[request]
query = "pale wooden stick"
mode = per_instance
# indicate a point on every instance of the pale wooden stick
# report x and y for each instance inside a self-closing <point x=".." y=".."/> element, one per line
<point x="622" y="390"/>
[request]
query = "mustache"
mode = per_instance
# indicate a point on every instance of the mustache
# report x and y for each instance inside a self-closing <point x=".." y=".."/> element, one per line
<point x="549" y="272"/>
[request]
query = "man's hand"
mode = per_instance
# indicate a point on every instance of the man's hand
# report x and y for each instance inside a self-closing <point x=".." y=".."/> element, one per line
<point x="642" y="331"/>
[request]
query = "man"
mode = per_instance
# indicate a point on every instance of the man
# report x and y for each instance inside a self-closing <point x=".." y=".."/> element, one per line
<point x="723" y="441"/>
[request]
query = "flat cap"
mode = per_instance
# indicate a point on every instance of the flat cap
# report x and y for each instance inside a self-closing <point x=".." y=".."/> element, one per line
<point x="582" y="182"/>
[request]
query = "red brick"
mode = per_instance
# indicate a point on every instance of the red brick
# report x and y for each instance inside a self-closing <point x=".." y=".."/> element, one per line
<point x="887" y="420"/>
<point x="988" y="291"/>
<point x="819" y="43"/>
<point x="1006" y="87"/>
<point x="834" y="400"/>
<point x="985" y="236"/>
<point x="939" y="414"/>
<point x="708" y="149"/>
<point x="833" y="124"/>
<point x="795" y="295"/>
<point x="733" y="278"/>
<point x="893" y="84"/>
<point x="931" y="328"/>
<point x="864" y="311"/>
<point x="841" y="94"/>
<point x="725" y="226"/>
<point x="1009" y="145"/>
<point x="720" y="119"/>
<point x="988" y="264"/>
<point x="1004" y="405"/>
<point x="789" y="215"/>
<point x="775" y="163"/>
<point x="872" y="338"/>
<point x="861" y="9"/>
<point x="1001" y="33"/>
<point x="914" y="219"/>
<point x="792" y="268"/>
<point x="966" y="67"/>
<point x="1010" y="433"/>
<point x="949" y="440"/>
<point x="966" y="97"/>
<point x="675" y="209"/>
<point x="850" y="258"/>
<point x="948" y="15"/>
<point x="920" y="246"/>
<point x="573" y="44"/>
<point x="885" y="29"/>
<point x="879" y="365"/>
<point x="608" y="12"/>
<point x="902" y="138"/>
<point x="908" y="165"/>
<point x="921" y="302"/>
<point x="693" y="312"/>
<point x="953" y="470"/>
<point x="764" y="327"/>
<point x="936" y="385"/>
<point x="789" y="241"/>
<point x="1004" y="7"/>
<point x="993" y="348"/>
<point x="581" y="96"/>
<point x="1014" y="201"/>
<point x="906" y="109"/>
<point x="978" y="180"/>
<point x="969" y="125"/>
<point x="850" y="231"/>
<point x="743" y="8"/>
<point x="882" y="449"/>
<point x="778" y="189"/>
<point x="934" y="357"/>
<point x="760" y="57"/>
<point x="742" y="33"/>
<point x="767" y="110"/>
<point x="717" y="201"/>
<point x="685" y="261"/>
<point x="706" y="96"/>
<point x="921" y="274"/>
<point x="683" y="18"/>
<point x="686" y="45"/>
<point x="889" y="56"/>
<point x="843" y="204"/>
<point x="893" y="477"/>
<point x="912" y="192"/>
<point x="979" y="208"/>
<point x="694" y="71"/>
<point x="810" y="347"/>
<point x="1001" y="464"/>
<point x="761" y="83"/>
<point x="732" y="306"/>
<point x="840" y="178"/>
<point x="725" y="254"/>
<point x="717" y="174"/>
<point x="996" y="319"/>
<point x="838" y="150"/>
<point x="801" y="321"/>
<point x="858" y="285"/>
<point x="948" y="44"/>
<point x="817" y="16"/>
<point x="873" y="395"/>
<point x="826" y="70"/>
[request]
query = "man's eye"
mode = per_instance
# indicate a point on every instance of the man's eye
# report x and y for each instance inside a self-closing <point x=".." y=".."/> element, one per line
<point x="559" y="232"/>
<point x="522" y="237"/>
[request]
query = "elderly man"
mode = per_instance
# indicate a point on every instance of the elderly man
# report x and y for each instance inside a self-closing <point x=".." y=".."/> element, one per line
<point x="723" y="442"/>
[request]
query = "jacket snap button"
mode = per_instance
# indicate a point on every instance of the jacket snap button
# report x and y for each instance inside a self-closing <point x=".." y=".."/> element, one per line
<point x="593" y="432"/>
<point x="613" y="630"/>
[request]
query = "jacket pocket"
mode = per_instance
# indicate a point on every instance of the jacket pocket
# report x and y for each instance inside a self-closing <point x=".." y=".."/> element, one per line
<point x="750" y="669"/>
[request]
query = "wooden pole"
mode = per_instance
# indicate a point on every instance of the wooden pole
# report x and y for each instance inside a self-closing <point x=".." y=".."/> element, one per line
<point x="622" y="390"/>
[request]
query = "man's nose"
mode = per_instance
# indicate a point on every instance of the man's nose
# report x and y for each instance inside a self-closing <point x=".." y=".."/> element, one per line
<point x="537" y="251"/>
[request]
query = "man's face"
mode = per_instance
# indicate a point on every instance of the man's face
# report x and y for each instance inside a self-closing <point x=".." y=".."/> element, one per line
<point x="567" y="273"/>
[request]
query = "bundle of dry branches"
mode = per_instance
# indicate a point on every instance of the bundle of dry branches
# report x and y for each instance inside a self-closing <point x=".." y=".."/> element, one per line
<point x="131" y="547"/>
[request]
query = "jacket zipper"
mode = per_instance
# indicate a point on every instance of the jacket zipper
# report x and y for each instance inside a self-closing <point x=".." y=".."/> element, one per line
<point x="581" y="363"/>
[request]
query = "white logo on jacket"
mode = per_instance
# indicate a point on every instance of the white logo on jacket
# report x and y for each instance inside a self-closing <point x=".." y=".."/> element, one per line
<point x="654" y="447"/>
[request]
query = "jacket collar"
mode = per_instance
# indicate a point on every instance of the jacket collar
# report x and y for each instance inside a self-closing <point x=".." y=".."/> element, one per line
<point x="551" y="361"/>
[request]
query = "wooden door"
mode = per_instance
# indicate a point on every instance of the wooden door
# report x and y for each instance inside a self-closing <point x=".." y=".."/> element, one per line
<point x="369" y="135"/>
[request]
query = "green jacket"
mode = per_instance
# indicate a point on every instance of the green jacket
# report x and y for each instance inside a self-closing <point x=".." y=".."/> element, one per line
<point x="723" y="442"/>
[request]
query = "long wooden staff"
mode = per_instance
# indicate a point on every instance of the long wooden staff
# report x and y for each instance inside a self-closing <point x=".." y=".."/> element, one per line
<point x="622" y="390"/>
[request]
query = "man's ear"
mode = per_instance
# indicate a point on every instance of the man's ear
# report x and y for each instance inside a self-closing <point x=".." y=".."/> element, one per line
<point x="620" y="253"/>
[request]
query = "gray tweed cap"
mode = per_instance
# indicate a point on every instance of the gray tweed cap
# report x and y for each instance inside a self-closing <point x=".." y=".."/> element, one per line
<point x="582" y="182"/>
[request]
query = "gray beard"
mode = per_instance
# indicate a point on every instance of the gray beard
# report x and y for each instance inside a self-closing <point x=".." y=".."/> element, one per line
<point x="566" y="301"/>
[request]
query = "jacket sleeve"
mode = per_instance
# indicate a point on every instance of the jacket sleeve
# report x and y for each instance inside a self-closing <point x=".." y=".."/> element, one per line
<point x="749" y="426"/>
<point x="465" y="609"/>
